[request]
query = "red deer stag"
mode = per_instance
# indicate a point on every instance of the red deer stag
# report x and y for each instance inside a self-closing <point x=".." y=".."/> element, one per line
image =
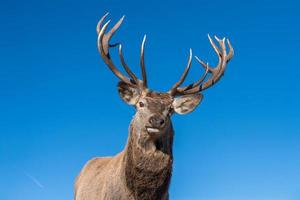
<point x="142" y="171"/>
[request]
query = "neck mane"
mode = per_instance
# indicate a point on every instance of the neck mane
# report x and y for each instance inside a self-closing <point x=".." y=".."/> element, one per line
<point x="148" y="173"/>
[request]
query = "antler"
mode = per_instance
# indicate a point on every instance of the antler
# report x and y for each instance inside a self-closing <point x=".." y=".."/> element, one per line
<point x="216" y="73"/>
<point x="104" y="46"/>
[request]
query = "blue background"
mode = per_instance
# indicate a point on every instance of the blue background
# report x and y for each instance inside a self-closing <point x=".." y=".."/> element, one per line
<point x="59" y="104"/>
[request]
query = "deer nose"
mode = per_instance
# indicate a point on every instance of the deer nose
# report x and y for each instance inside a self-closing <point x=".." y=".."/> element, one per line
<point x="156" y="121"/>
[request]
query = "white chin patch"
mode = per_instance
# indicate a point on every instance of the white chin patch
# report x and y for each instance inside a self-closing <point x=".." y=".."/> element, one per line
<point x="152" y="130"/>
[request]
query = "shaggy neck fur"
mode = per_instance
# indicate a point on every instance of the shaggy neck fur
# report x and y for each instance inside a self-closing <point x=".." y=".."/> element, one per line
<point x="148" y="173"/>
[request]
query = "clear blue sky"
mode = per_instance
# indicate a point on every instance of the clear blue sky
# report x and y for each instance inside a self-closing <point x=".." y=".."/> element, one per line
<point x="59" y="105"/>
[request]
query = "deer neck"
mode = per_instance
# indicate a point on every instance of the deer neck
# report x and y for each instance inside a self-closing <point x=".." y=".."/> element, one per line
<point x="148" y="164"/>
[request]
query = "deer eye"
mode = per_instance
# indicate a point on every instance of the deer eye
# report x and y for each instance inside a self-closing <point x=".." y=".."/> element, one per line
<point x="141" y="104"/>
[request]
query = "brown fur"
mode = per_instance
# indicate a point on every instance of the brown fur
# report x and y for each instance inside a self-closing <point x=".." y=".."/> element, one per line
<point x="148" y="174"/>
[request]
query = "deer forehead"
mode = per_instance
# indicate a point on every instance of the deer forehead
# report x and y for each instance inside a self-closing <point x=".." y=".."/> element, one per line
<point x="157" y="102"/>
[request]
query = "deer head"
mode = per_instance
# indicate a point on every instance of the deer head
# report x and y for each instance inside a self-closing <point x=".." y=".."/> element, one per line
<point x="154" y="109"/>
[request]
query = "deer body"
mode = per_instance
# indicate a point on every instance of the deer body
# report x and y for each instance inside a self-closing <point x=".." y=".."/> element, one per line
<point x="142" y="171"/>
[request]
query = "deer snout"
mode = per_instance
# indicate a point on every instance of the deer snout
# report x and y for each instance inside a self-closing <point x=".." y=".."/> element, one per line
<point x="157" y="121"/>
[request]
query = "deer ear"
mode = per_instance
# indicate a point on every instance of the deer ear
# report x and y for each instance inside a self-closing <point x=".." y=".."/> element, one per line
<point x="129" y="94"/>
<point x="187" y="103"/>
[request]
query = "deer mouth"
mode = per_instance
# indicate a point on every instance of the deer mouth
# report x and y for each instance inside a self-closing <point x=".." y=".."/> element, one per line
<point x="152" y="130"/>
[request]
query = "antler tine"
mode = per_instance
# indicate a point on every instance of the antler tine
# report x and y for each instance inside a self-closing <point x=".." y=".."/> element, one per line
<point x="98" y="28"/>
<point x="216" y="73"/>
<point x="202" y="78"/>
<point x="231" y="51"/>
<point x="142" y="63"/>
<point x="103" y="46"/>
<point x="127" y="69"/>
<point x="174" y="88"/>
<point x="112" y="31"/>
<point x="216" y="49"/>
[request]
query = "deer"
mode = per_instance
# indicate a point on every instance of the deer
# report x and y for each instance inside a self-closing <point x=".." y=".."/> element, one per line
<point x="143" y="169"/>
